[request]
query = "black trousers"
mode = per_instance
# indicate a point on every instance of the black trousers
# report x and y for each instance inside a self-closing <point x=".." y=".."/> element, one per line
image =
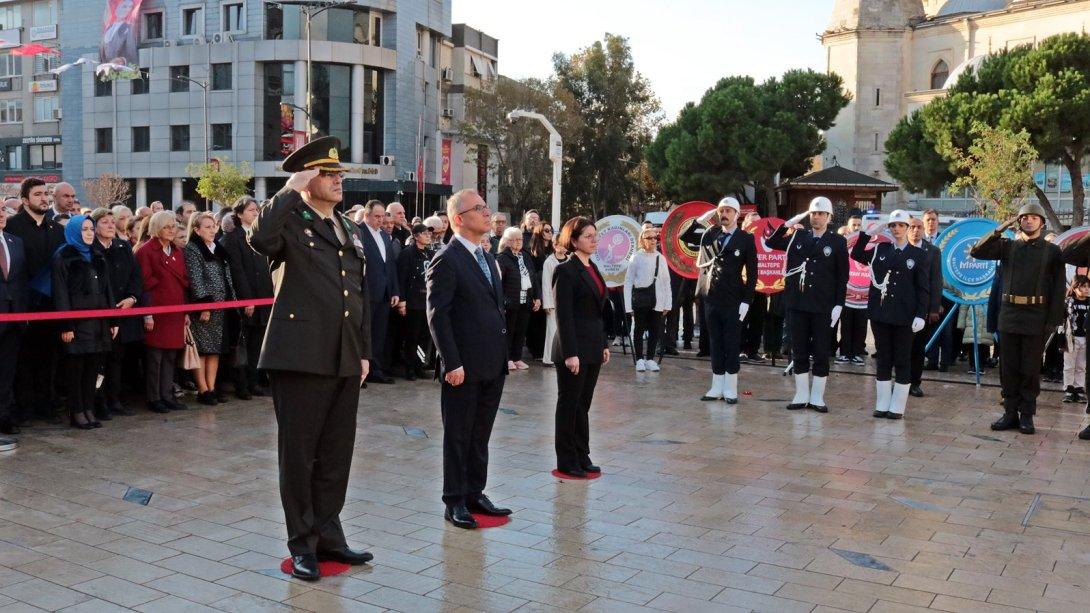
<point x="380" y="320"/>
<point x="112" y="370"/>
<point x="724" y="333"/>
<point x="246" y="377"/>
<point x="518" y="317"/>
<point x="82" y="370"/>
<point x="574" y="393"/>
<point x="10" y="335"/>
<point x="892" y="348"/>
<point x="944" y="350"/>
<point x="1020" y="371"/>
<point x="35" y="374"/>
<point x="853" y="332"/>
<point x="414" y="335"/>
<point x="159" y="373"/>
<point x="316" y="431"/>
<point x="811" y="337"/>
<point x="469" y="411"/>
<point x="535" y="333"/>
<point x="701" y="314"/>
<point x="753" y="326"/>
<point x="649" y="321"/>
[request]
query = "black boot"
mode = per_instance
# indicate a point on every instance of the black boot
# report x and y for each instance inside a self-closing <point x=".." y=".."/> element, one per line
<point x="1085" y="434"/>
<point x="1070" y="395"/>
<point x="1025" y="423"/>
<point x="1009" y="421"/>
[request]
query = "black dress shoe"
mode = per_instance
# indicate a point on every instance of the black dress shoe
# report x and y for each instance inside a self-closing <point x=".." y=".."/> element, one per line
<point x="103" y="413"/>
<point x="157" y="406"/>
<point x="575" y="472"/>
<point x="484" y="506"/>
<point x="221" y="397"/>
<point x="796" y="407"/>
<point x="207" y="399"/>
<point x="1009" y="421"/>
<point x="174" y="405"/>
<point x="1025" y="423"/>
<point x="380" y="379"/>
<point x="895" y="416"/>
<point x="258" y="391"/>
<point x="915" y="391"/>
<point x="591" y="468"/>
<point x="460" y="517"/>
<point x="881" y="414"/>
<point x="670" y="350"/>
<point x="305" y="567"/>
<point x="346" y="556"/>
<point x="730" y="400"/>
<point x="243" y="395"/>
<point x="1085" y="434"/>
<point x="820" y="408"/>
<point x="120" y="409"/>
<point x="8" y="426"/>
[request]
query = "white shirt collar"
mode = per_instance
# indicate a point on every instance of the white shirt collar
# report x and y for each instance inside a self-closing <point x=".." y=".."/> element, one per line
<point x="468" y="244"/>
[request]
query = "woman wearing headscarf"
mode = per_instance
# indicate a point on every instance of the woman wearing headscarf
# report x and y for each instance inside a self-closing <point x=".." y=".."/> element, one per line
<point x="81" y="281"/>
<point x="165" y="283"/>
<point x="209" y="281"/>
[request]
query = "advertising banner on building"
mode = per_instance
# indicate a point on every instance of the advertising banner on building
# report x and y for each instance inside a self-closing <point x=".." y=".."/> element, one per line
<point x="445" y="157"/>
<point x="120" y="32"/>
<point x="617" y="241"/>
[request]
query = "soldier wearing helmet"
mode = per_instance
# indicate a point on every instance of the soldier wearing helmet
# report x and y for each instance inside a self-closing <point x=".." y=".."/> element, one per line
<point x="1032" y="304"/>
<point x="816" y="284"/>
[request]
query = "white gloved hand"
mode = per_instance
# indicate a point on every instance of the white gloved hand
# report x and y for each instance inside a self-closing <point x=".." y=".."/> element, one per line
<point x="300" y="180"/>
<point x="836" y="316"/>
<point x="917" y="324"/>
<point x="1060" y="329"/>
<point x="796" y="219"/>
<point x="743" y="309"/>
<point x="706" y="218"/>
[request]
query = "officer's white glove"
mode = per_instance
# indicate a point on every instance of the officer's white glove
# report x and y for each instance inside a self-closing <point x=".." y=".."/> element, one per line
<point x="796" y="219"/>
<point x="917" y="324"/>
<point x="742" y="310"/>
<point x="300" y="180"/>
<point x="836" y="316"/>
<point x="706" y="218"/>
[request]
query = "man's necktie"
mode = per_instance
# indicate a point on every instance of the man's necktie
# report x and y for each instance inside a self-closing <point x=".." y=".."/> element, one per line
<point x="333" y="226"/>
<point x="483" y="263"/>
<point x="723" y="240"/>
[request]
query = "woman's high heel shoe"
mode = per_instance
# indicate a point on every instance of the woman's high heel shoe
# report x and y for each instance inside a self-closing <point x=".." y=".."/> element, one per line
<point x="77" y="424"/>
<point x="90" y="417"/>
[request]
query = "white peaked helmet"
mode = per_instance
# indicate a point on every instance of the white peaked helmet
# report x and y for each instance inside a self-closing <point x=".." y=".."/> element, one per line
<point x="821" y="204"/>
<point x="899" y="216"/>
<point x="731" y="202"/>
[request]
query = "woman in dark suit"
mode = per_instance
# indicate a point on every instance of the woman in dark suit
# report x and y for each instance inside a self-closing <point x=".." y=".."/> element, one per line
<point x="581" y="313"/>
<point x="521" y="293"/>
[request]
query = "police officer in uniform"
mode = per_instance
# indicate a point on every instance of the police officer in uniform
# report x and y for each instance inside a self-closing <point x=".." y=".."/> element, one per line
<point x="934" y="298"/>
<point x="896" y="305"/>
<point x="817" y="281"/>
<point x="726" y="253"/>
<point x="316" y="351"/>
<point x="412" y="263"/>
<point x="1032" y="304"/>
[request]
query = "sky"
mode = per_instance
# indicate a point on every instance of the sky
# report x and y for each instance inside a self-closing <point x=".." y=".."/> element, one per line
<point x="682" y="46"/>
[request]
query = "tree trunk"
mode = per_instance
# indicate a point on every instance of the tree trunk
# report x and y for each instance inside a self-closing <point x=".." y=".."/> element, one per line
<point x="1078" y="194"/>
<point x="1053" y="219"/>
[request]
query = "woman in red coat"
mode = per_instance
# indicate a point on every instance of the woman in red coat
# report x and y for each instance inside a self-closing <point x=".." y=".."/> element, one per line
<point x="165" y="283"/>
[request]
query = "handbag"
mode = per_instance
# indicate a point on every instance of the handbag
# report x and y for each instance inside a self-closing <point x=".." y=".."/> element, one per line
<point x="191" y="360"/>
<point x="241" y="358"/>
<point x="644" y="297"/>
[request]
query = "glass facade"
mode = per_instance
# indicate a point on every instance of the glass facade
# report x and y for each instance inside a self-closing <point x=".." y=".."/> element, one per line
<point x="337" y="25"/>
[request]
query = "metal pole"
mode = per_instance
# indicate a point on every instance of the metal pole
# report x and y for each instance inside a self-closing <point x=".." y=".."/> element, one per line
<point x="207" y="128"/>
<point x="557" y="165"/>
<point x="310" y="76"/>
<point x="976" y="347"/>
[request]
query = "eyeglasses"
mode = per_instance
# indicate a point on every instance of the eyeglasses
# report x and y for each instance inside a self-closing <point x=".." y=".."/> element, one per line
<point x="480" y="208"/>
<point x="546" y="231"/>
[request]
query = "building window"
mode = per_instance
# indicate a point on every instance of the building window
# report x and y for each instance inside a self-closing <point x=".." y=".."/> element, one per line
<point x="876" y="141"/>
<point x="179" y="138"/>
<point x="153" y="25"/>
<point x="878" y="96"/>
<point x="103" y="88"/>
<point x="141" y="139"/>
<point x="45" y="12"/>
<point x="104" y="140"/>
<point x="278" y="119"/>
<point x="376" y="31"/>
<point x="10" y="17"/>
<point x="45" y="156"/>
<point x="939" y="74"/>
<point x="234" y="17"/>
<point x="141" y="85"/>
<point x="14" y="156"/>
<point x="221" y="137"/>
<point x="11" y="111"/>
<point x="221" y="76"/>
<point x="10" y="65"/>
<point x="44" y="63"/>
<point x="179" y="79"/>
<point x="192" y="20"/>
<point x="46" y="108"/>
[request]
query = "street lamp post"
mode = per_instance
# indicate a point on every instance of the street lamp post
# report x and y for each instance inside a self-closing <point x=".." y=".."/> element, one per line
<point x="556" y="155"/>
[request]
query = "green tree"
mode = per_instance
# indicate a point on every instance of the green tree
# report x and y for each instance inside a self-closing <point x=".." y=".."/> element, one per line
<point x="912" y="159"/>
<point x="620" y="113"/>
<point x="998" y="167"/>
<point x="220" y="181"/>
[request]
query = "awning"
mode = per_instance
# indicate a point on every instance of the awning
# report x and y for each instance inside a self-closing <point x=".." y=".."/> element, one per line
<point x="478" y="65"/>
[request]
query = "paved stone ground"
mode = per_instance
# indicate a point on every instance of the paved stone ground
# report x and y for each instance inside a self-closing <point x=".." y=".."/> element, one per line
<point x="702" y="507"/>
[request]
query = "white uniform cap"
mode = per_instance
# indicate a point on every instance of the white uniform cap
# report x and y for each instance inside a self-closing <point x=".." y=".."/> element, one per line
<point x="731" y="202"/>
<point x="821" y="204"/>
<point x="899" y="216"/>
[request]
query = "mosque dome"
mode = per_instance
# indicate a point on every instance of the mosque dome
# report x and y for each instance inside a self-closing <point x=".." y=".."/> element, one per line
<point x="960" y="7"/>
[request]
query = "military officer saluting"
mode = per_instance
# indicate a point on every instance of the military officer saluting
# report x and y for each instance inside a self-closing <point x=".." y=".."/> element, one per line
<point x="897" y="304"/>
<point x="816" y="284"/>
<point x="316" y="349"/>
<point x="1032" y="304"/>
<point x="726" y="253"/>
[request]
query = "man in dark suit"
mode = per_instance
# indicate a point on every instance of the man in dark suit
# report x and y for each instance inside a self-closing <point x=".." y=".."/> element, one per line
<point x="13" y="299"/>
<point x="381" y="283"/>
<point x="467" y="322"/>
<point x="316" y="349"/>
<point x="934" y="307"/>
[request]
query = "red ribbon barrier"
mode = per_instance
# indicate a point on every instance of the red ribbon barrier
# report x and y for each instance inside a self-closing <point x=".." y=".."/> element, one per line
<point x="135" y="311"/>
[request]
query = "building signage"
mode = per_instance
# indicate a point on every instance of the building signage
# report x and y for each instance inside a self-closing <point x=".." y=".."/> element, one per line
<point x="10" y="38"/>
<point x="41" y="140"/>
<point x="770" y="262"/>
<point x="43" y="32"/>
<point x="48" y="85"/>
<point x="445" y="156"/>
<point x="618" y="237"/>
<point x="20" y="178"/>
<point x="968" y="280"/>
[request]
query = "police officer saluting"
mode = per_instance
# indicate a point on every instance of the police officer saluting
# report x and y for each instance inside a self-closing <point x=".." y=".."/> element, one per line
<point x="316" y="349"/>
<point x="896" y="305"/>
<point x="817" y="281"/>
<point x="1032" y="304"/>
<point x="726" y="251"/>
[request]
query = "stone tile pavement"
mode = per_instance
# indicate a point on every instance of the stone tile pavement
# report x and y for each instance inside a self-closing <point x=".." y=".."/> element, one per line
<point x="703" y="507"/>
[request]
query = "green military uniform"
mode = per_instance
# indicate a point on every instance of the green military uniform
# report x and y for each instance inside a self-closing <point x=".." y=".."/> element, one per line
<point x="319" y="330"/>
<point x="1032" y="303"/>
